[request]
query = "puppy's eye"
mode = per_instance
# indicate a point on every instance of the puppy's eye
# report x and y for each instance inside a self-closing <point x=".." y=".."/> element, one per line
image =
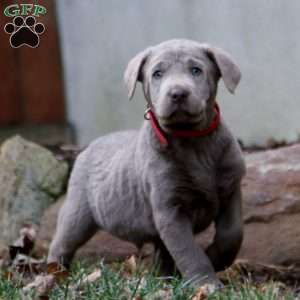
<point x="157" y="74"/>
<point x="196" y="71"/>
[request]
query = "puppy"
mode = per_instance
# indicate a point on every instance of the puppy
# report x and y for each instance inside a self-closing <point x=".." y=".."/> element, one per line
<point x="172" y="178"/>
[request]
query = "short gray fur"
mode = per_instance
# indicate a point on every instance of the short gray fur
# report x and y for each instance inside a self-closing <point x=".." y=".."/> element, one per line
<point x="128" y="184"/>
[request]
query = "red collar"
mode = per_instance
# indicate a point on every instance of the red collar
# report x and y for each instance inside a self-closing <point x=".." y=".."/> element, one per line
<point x="162" y="136"/>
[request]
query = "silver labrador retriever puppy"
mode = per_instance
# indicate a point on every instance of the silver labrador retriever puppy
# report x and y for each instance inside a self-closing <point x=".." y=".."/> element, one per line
<point x="172" y="178"/>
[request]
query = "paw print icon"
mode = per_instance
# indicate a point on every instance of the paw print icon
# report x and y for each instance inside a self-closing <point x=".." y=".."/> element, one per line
<point x="24" y="31"/>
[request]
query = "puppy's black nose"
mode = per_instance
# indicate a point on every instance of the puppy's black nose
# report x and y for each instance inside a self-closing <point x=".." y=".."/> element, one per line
<point x="178" y="94"/>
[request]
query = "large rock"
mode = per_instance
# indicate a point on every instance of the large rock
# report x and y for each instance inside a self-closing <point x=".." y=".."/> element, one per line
<point x="272" y="206"/>
<point x="271" y="193"/>
<point x="31" y="179"/>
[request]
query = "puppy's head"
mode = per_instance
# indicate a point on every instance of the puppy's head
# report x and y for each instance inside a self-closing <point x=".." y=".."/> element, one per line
<point x="180" y="80"/>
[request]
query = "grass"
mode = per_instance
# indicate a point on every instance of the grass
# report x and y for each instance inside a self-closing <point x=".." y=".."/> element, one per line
<point x="117" y="283"/>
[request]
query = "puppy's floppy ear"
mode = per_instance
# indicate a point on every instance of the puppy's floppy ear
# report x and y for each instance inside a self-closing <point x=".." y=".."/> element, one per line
<point x="133" y="72"/>
<point x="230" y="72"/>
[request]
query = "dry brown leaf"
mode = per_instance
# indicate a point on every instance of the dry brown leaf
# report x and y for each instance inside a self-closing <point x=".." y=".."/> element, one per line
<point x="26" y="264"/>
<point x="200" y="295"/>
<point x="24" y="269"/>
<point x="130" y="265"/>
<point x="30" y="231"/>
<point x="242" y="270"/>
<point x="76" y="289"/>
<point x="24" y="244"/>
<point x="277" y="287"/>
<point x="8" y="275"/>
<point x="54" y="267"/>
<point x="92" y="277"/>
<point x="204" y="291"/>
<point x="43" y="284"/>
<point x="60" y="272"/>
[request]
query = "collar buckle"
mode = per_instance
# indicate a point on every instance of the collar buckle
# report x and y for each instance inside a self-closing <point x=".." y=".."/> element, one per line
<point x="147" y="114"/>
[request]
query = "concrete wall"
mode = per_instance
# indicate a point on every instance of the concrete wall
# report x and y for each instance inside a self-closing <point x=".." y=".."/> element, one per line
<point x="99" y="37"/>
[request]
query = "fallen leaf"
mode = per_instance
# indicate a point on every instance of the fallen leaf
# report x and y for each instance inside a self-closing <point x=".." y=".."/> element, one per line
<point x="54" y="267"/>
<point x="27" y="265"/>
<point x="130" y="265"/>
<point x="43" y="284"/>
<point x="30" y="231"/>
<point x="243" y="270"/>
<point x="276" y="287"/>
<point x="24" y="244"/>
<point x="23" y="269"/>
<point x="200" y="295"/>
<point x="204" y="291"/>
<point x="8" y="275"/>
<point x="92" y="277"/>
<point x="60" y="272"/>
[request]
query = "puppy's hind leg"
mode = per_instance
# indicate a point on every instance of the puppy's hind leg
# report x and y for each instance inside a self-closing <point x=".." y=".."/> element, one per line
<point x="75" y="225"/>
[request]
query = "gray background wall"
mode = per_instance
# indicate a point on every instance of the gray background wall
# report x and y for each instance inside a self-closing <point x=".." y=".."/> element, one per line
<point x="99" y="37"/>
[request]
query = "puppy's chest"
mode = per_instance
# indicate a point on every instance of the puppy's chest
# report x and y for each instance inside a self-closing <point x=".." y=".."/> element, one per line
<point x="195" y="193"/>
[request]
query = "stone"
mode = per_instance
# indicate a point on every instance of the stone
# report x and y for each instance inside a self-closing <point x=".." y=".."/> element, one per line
<point x="31" y="179"/>
<point x="271" y="207"/>
<point x="271" y="192"/>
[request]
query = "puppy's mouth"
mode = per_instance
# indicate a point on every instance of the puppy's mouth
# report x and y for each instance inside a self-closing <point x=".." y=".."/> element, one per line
<point x="182" y="126"/>
<point x="191" y="123"/>
<point x="186" y="121"/>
